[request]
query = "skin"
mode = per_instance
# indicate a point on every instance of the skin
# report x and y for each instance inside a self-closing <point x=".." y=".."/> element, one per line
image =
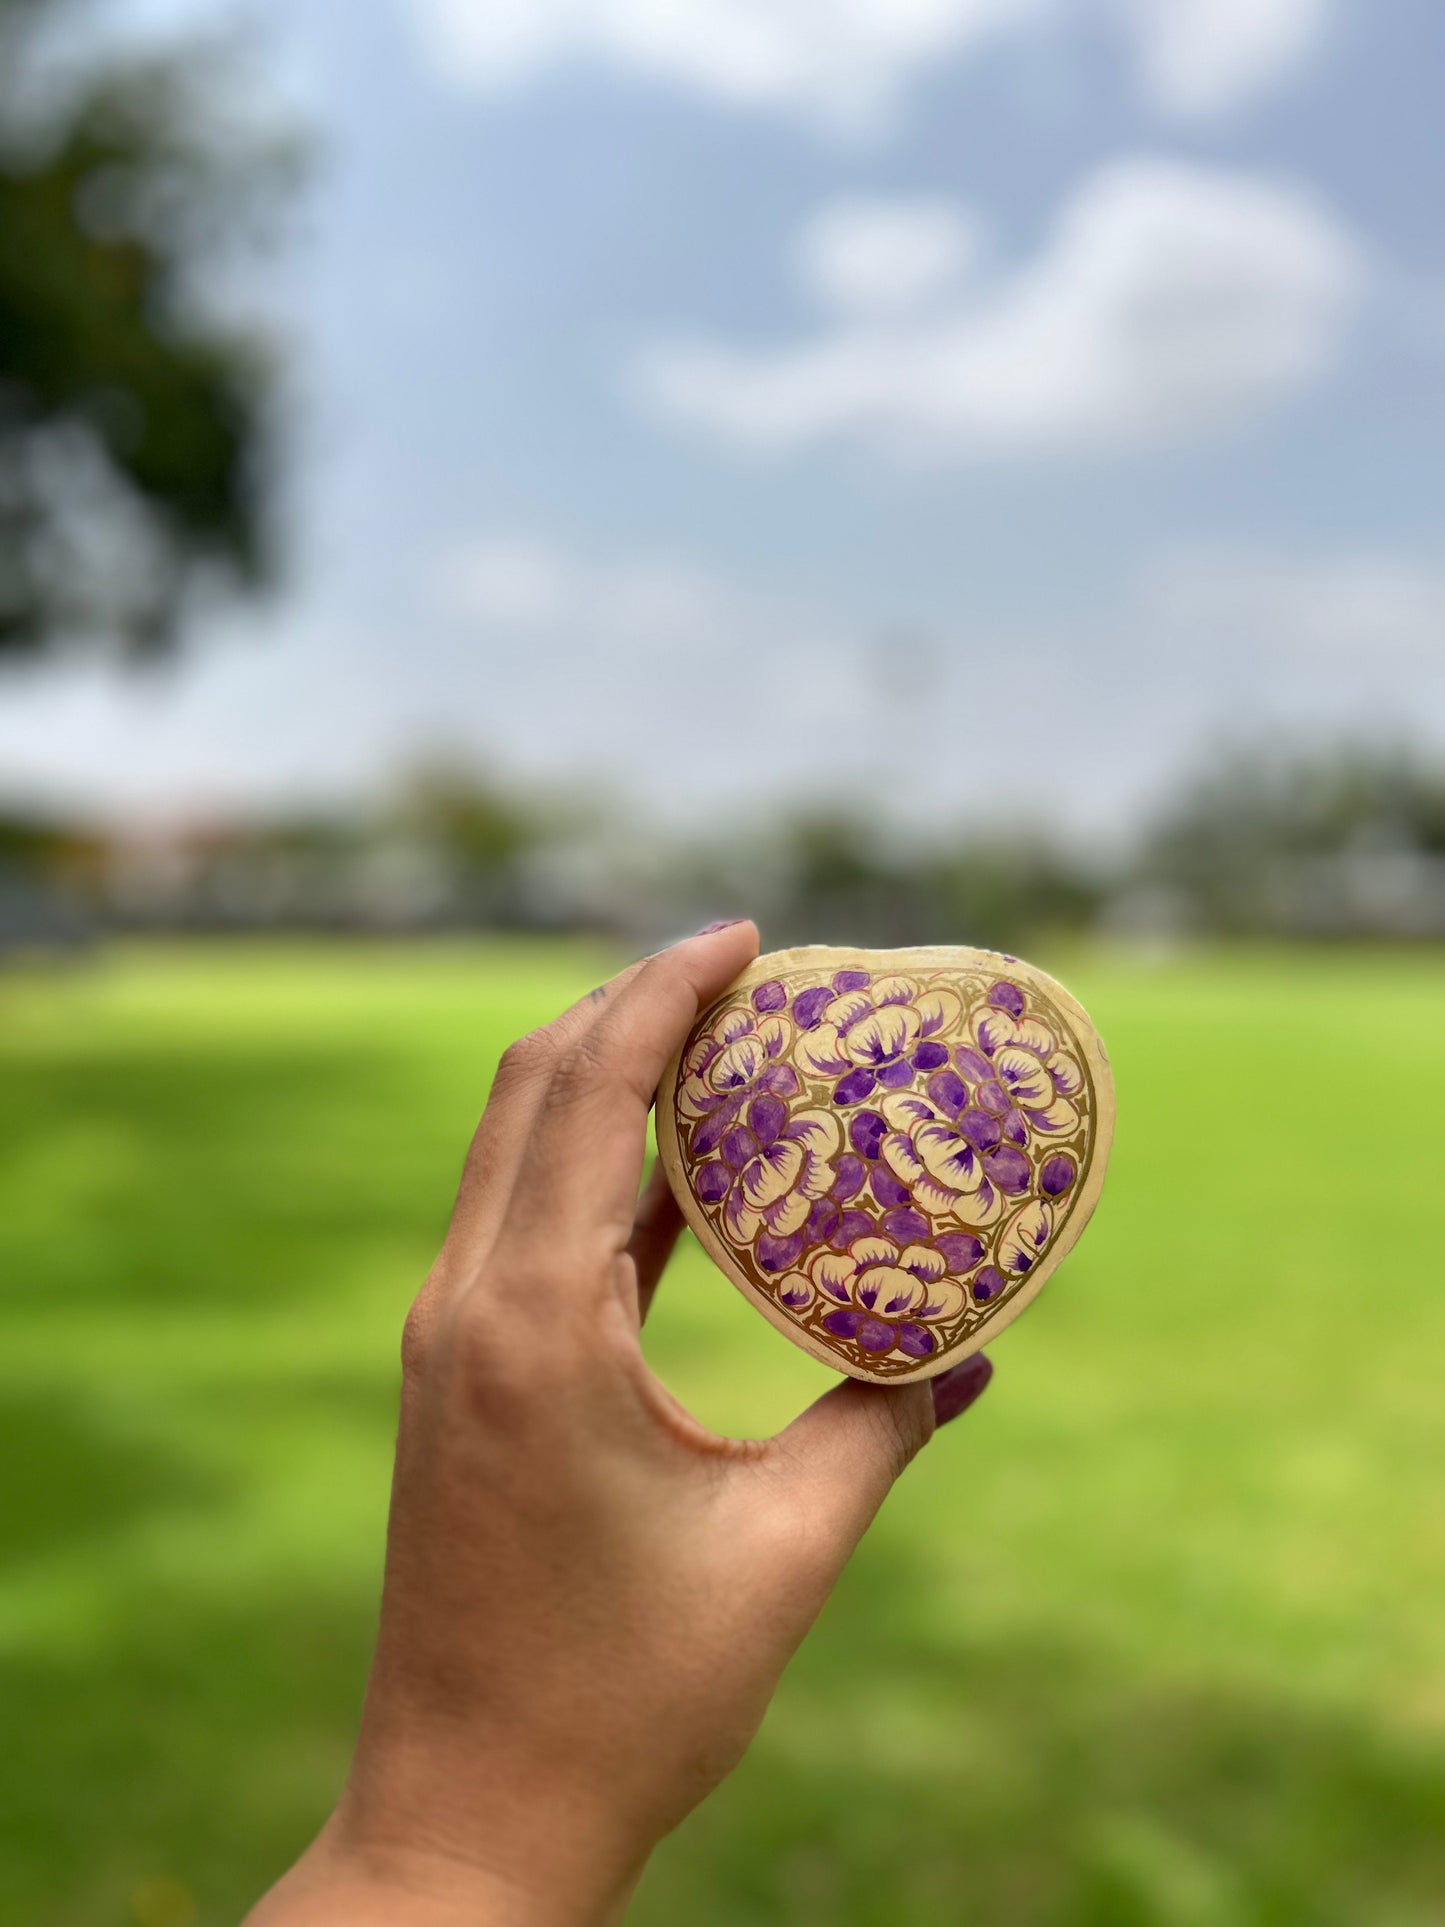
<point x="589" y="1597"/>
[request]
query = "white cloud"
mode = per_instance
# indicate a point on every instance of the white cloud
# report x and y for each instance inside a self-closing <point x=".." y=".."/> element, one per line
<point x="845" y="62"/>
<point x="705" y="699"/>
<point x="1169" y="301"/>
<point x="837" y="61"/>
<point x="509" y="579"/>
<point x="629" y="606"/>
<point x="668" y="679"/>
<point x="1357" y="609"/>
<point x="874" y="256"/>
<point x="642" y="660"/>
<point x="1200" y="58"/>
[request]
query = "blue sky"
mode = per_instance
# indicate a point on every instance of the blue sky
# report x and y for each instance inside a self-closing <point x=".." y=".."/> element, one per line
<point x="965" y="407"/>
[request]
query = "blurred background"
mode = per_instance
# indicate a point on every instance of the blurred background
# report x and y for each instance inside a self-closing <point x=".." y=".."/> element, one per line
<point x="485" y="489"/>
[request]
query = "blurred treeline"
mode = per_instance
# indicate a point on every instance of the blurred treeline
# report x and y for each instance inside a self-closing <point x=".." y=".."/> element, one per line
<point x="1336" y="844"/>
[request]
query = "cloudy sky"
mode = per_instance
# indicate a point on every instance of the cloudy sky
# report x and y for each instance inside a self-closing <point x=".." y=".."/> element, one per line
<point x="953" y="405"/>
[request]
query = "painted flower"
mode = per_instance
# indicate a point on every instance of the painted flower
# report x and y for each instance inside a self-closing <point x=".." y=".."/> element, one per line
<point x="868" y="1178"/>
<point x="1019" y="1245"/>
<point x="1020" y="1073"/>
<point x="738" y="1058"/>
<point x="838" y="1218"/>
<point x="988" y="1283"/>
<point x="1057" y="1174"/>
<point x="1023" y="1238"/>
<point x="950" y="1153"/>
<point x="885" y="1295"/>
<point x="771" y="1171"/>
<point x="873" y="1034"/>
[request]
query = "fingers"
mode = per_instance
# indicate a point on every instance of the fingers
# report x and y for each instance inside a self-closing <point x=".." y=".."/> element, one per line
<point x="849" y="1446"/>
<point x="956" y="1389"/>
<point x="517" y="1093"/>
<point x="577" y="1181"/>
<point x="655" y="1231"/>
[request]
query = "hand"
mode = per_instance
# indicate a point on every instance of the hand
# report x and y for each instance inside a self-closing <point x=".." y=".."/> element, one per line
<point x="589" y="1597"/>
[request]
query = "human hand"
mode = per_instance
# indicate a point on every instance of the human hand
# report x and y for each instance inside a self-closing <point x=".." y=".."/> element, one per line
<point x="589" y="1597"/>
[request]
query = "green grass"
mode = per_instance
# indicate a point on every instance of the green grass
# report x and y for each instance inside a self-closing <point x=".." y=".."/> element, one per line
<point x="1155" y="1636"/>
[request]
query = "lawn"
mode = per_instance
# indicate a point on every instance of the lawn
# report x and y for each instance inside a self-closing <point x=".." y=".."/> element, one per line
<point x="1156" y="1636"/>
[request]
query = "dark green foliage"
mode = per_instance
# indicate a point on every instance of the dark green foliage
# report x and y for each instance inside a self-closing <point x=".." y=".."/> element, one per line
<point x="479" y="825"/>
<point x="1328" y="843"/>
<point x="133" y="421"/>
<point x="846" y="887"/>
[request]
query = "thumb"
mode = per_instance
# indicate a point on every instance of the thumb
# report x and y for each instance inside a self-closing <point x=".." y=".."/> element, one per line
<point x="850" y="1445"/>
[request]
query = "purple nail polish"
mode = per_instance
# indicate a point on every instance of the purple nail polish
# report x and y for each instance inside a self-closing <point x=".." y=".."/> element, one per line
<point x="956" y="1389"/>
<point x="723" y="923"/>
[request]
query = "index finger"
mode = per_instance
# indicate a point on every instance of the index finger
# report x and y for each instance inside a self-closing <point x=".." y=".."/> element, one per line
<point x="579" y="1173"/>
<point x="518" y="1092"/>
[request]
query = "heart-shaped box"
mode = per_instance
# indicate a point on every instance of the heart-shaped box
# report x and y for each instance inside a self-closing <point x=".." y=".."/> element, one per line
<point x="888" y="1151"/>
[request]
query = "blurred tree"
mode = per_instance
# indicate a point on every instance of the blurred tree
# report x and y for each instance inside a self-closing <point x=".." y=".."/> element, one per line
<point x="1349" y="840"/>
<point x="843" y="887"/>
<point x="1002" y="892"/>
<point x="988" y="889"/>
<point x="474" y="838"/>
<point x="481" y="826"/>
<point x="133" y="419"/>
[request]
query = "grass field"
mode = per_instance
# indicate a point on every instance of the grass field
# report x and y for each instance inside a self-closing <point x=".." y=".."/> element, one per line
<point x="1155" y="1636"/>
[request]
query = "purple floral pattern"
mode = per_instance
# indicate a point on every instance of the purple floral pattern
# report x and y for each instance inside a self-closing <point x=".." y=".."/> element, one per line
<point x="888" y="1156"/>
<point x="771" y="1169"/>
<point x="873" y="1034"/>
<point x="884" y="1296"/>
<point x="739" y="1055"/>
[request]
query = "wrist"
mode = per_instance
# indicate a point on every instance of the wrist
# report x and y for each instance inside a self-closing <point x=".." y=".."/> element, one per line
<point x="407" y="1847"/>
<point x="325" y="1890"/>
<point x="341" y="1883"/>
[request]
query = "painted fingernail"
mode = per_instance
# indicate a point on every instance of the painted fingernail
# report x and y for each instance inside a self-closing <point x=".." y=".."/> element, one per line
<point x="723" y="923"/>
<point x="955" y="1390"/>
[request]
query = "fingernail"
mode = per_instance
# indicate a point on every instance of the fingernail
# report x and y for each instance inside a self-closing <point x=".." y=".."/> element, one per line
<point x="956" y="1389"/>
<point x="708" y="929"/>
